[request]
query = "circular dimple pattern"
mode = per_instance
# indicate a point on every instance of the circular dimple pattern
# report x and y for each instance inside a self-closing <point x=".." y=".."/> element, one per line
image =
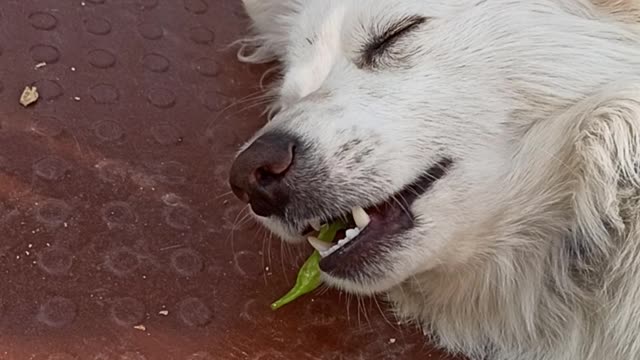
<point x="51" y="168"/>
<point x="193" y="312"/>
<point x="104" y="94"/>
<point x="42" y="20"/>
<point x="161" y="98"/>
<point x="117" y="213"/>
<point x="111" y="171"/>
<point x="45" y="53"/>
<point x="196" y="6"/>
<point x="179" y="217"/>
<point x="155" y="62"/>
<point x="122" y="261"/>
<point x="166" y="134"/>
<point x="47" y="126"/>
<point x="186" y="262"/>
<point x="207" y="67"/>
<point x="127" y="311"/>
<point x="55" y="261"/>
<point x="49" y="89"/>
<point x="215" y="101"/>
<point x="53" y="212"/>
<point x="57" y="312"/>
<point x="150" y="31"/>
<point x="61" y="356"/>
<point x="247" y="264"/>
<point x="253" y="311"/>
<point x="201" y="355"/>
<point x="147" y="4"/>
<point x="97" y="26"/>
<point x="108" y="130"/>
<point x="101" y="58"/>
<point x="201" y="35"/>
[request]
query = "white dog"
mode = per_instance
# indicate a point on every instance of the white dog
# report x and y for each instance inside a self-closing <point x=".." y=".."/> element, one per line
<point x="488" y="150"/>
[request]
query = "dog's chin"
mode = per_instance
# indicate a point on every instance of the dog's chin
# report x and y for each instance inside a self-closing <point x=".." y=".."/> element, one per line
<point x="367" y="262"/>
<point x="281" y="230"/>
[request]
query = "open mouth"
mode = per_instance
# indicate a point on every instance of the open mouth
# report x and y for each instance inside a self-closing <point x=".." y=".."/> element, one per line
<point x="369" y="229"/>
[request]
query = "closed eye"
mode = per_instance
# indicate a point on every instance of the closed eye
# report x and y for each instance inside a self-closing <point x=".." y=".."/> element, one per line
<point x="380" y="45"/>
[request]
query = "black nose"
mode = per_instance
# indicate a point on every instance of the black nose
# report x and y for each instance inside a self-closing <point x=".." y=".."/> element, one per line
<point x="258" y="172"/>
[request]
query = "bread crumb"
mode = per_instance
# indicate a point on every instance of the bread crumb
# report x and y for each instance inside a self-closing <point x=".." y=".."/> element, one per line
<point x="392" y="341"/>
<point x="140" y="327"/>
<point x="40" y="65"/>
<point x="29" y="96"/>
<point x="163" y="312"/>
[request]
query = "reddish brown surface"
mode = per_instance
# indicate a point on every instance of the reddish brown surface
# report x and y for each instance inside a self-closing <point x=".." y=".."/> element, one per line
<point x="114" y="208"/>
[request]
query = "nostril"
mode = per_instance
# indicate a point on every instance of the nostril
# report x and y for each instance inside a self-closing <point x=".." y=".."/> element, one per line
<point x="276" y="170"/>
<point x="257" y="174"/>
<point x="240" y="193"/>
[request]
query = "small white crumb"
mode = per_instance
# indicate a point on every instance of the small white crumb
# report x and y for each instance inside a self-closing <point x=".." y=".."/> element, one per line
<point x="30" y="246"/>
<point x="40" y="65"/>
<point x="266" y="268"/>
<point x="27" y="253"/>
<point x="83" y="3"/>
<point x="65" y="224"/>
<point x="392" y="341"/>
<point x="29" y="96"/>
<point x="76" y="98"/>
<point x="163" y="312"/>
<point x="73" y="69"/>
<point x="140" y="327"/>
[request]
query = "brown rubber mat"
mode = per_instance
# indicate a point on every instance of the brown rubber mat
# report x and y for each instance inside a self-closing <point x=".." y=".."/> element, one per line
<point x="119" y="238"/>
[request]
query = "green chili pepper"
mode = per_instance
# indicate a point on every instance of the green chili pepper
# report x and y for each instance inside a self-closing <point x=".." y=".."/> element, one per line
<point x="309" y="274"/>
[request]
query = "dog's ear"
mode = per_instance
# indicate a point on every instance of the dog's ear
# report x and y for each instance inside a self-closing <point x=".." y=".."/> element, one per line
<point x="271" y="22"/>
<point x="606" y="200"/>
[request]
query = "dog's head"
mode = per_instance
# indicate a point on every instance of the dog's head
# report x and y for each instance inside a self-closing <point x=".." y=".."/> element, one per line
<point x="397" y="108"/>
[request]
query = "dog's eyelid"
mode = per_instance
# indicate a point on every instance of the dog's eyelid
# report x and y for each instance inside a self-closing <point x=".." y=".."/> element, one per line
<point x="384" y="39"/>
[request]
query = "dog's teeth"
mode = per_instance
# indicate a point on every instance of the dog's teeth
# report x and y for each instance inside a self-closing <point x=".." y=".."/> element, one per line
<point x="360" y="217"/>
<point x="352" y="233"/>
<point x="329" y="251"/>
<point x="315" y="224"/>
<point x="318" y="244"/>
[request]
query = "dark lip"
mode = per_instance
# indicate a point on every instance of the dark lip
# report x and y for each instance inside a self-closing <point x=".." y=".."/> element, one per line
<point x="388" y="220"/>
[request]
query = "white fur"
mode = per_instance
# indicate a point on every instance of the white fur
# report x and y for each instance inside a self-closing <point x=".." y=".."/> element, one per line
<point x="530" y="247"/>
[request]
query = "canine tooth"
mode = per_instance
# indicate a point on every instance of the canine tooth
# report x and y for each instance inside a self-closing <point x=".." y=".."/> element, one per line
<point x="318" y="244"/>
<point x="360" y="217"/>
<point x="352" y="233"/>
<point x="315" y="224"/>
<point x="329" y="251"/>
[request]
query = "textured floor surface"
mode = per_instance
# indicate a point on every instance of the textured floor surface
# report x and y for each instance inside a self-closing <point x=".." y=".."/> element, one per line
<point x="118" y="235"/>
